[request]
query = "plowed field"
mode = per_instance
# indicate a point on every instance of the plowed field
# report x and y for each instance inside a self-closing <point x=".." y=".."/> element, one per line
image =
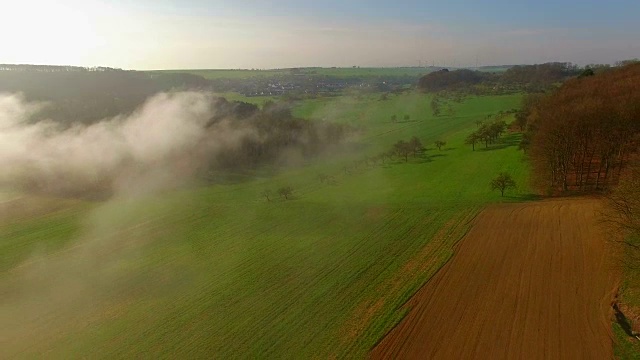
<point x="528" y="281"/>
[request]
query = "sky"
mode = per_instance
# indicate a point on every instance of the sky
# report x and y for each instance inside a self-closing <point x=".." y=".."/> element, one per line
<point x="228" y="34"/>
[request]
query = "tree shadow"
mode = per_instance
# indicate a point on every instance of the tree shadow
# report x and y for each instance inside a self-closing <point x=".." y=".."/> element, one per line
<point x="421" y="160"/>
<point x="622" y="321"/>
<point x="510" y="140"/>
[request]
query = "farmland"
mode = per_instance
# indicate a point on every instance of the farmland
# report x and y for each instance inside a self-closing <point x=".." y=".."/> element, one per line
<point x="218" y="269"/>
<point x="533" y="276"/>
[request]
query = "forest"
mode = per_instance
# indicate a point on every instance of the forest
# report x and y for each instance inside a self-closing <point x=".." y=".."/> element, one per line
<point x="581" y="136"/>
<point x="518" y="78"/>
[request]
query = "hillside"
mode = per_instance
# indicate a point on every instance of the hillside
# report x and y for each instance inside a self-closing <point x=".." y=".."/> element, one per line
<point x="219" y="269"/>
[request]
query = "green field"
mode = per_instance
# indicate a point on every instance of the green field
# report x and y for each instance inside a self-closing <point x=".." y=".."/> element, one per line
<point x="219" y="270"/>
<point x="625" y="347"/>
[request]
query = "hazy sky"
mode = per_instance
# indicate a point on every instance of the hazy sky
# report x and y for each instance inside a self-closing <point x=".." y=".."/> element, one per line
<point x="171" y="34"/>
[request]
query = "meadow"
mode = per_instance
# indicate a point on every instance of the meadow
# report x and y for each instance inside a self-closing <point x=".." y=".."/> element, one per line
<point x="218" y="269"/>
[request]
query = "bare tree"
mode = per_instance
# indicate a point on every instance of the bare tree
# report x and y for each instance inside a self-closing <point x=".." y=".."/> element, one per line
<point x="502" y="182"/>
<point x="439" y="144"/>
<point x="285" y="192"/>
<point x="416" y="145"/>
<point x="403" y="149"/>
<point x="472" y="140"/>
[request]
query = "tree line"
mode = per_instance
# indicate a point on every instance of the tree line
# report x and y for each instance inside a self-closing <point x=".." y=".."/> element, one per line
<point x="53" y="68"/>
<point x="451" y="80"/>
<point x="401" y="150"/>
<point x="582" y="136"/>
<point x="518" y="78"/>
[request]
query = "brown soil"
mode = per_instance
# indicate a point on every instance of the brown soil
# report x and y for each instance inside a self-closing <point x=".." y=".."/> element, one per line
<point x="529" y="281"/>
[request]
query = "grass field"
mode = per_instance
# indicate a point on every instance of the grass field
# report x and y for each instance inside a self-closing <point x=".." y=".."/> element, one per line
<point x="625" y="347"/>
<point x="219" y="270"/>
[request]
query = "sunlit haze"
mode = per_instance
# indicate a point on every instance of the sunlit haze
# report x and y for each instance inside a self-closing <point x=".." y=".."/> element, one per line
<point x="260" y="34"/>
<point x="302" y="179"/>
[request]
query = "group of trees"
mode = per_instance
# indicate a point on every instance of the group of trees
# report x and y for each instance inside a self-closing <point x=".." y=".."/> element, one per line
<point x="486" y="133"/>
<point x="451" y="80"/>
<point x="405" y="148"/>
<point x="413" y="147"/>
<point x="402" y="149"/>
<point x="276" y="132"/>
<point x="581" y="136"/>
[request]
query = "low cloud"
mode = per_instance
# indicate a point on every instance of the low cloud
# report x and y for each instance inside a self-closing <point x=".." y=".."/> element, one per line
<point x="164" y="143"/>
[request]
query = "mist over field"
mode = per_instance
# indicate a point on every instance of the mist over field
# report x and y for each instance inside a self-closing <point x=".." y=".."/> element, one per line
<point x="319" y="180"/>
<point x="163" y="143"/>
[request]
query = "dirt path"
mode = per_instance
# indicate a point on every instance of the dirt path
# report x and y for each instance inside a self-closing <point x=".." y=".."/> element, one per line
<point x="529" y="281"/>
